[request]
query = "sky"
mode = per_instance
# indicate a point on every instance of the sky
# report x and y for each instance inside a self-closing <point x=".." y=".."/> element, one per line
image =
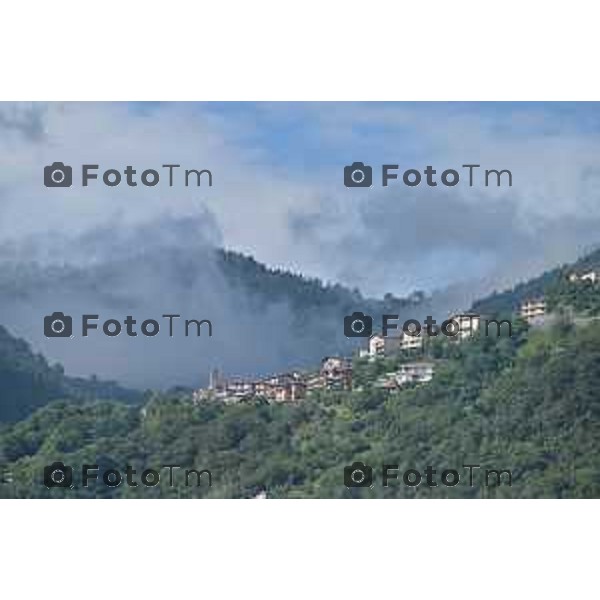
<point x="278" y="194"/>
<point x="278" y="189"/>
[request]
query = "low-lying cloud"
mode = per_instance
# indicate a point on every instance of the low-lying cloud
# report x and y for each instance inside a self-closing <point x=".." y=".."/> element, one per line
<point x="278" y="195"/>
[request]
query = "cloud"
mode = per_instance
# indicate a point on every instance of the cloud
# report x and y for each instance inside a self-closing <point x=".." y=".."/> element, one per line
<point x="399" y="238"/>
<point x="278" y="195"/>
<point x="278" y="192"/>
<point x="165" y="266"/>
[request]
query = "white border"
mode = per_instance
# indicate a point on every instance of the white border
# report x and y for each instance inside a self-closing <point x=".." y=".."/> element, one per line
<point x="309" y="50"/>
<point x="299" y="549"/>
<point x="313" y="50"/>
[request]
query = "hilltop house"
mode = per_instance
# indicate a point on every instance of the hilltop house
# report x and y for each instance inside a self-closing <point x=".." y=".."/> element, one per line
<point x="590" y="276"/>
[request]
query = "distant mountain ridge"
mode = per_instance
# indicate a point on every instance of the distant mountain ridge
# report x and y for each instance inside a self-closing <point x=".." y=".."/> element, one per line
<point x="526" y="407"/>
<point x="28" y="382"/>
<point x="304" y="293"/>
<point x="508" y="301"/>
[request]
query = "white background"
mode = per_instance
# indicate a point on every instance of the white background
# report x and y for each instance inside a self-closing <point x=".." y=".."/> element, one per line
<point x="309" y="50"/>
<point x="298" y="51"/>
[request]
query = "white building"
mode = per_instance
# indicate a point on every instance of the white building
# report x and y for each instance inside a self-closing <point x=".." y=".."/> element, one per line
<point x="380" y="346"/>
<point x="415" y="372"/>
<point x="533" y="310"/>
<point x="384" y="346"/>
<point x="590" y="276"/>
<point x="411" y="342"/>
<point x="468" y="325"/>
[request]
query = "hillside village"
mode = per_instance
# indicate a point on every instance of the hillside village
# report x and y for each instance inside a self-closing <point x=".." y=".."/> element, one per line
<point x="530" y="402"/>
<point x="335" y="372"/>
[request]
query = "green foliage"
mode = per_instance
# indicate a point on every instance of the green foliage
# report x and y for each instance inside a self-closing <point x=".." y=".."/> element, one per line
<point x="263" y="285"/>
<point x="552" y="283"/>
<point x="529" y="404"/>
<point x="580" y="297"/>
<point x="27" y="381"/>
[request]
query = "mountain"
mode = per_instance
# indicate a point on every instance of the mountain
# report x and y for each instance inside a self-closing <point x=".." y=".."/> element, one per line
<point x="303" y="294"/>
<point x="551" y="283"/>
<point x="263" y="320"/>
<point x="527" y="406"/>
<point x="313" y="310"/>
<point x="27" y="381"/>
<point x="524" y="409"/>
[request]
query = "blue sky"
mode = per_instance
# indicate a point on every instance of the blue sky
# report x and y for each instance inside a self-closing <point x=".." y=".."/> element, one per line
<point x="279" y="193"/>
<point x="292" y="134"/>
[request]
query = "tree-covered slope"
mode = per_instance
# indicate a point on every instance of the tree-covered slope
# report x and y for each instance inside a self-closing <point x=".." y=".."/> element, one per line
<point x="27" y="381"/>
<point x="553" y="282"/>
<point x="265" y="285"/>
<point x="530" y="405"/>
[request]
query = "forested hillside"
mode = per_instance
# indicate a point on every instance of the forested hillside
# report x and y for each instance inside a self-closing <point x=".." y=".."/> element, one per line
<point x="27" y="381"/>
<point x="551" y="283"/>
<point x="529" y="404"/>
<point x="304" y="294"/>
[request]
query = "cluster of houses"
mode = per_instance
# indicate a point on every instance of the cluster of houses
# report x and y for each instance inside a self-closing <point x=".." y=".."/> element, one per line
<point x="335" y="373"/>
<point x="534" y="310"/>
<point x="465" y="325"/>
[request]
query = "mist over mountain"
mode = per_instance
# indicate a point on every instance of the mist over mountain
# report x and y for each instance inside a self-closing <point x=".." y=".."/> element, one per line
<point x="263" y="320"/>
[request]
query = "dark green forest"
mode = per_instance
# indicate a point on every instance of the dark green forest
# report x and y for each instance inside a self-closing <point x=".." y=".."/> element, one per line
<point x="529" y="404"/>
<point x="27" y="381"/>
